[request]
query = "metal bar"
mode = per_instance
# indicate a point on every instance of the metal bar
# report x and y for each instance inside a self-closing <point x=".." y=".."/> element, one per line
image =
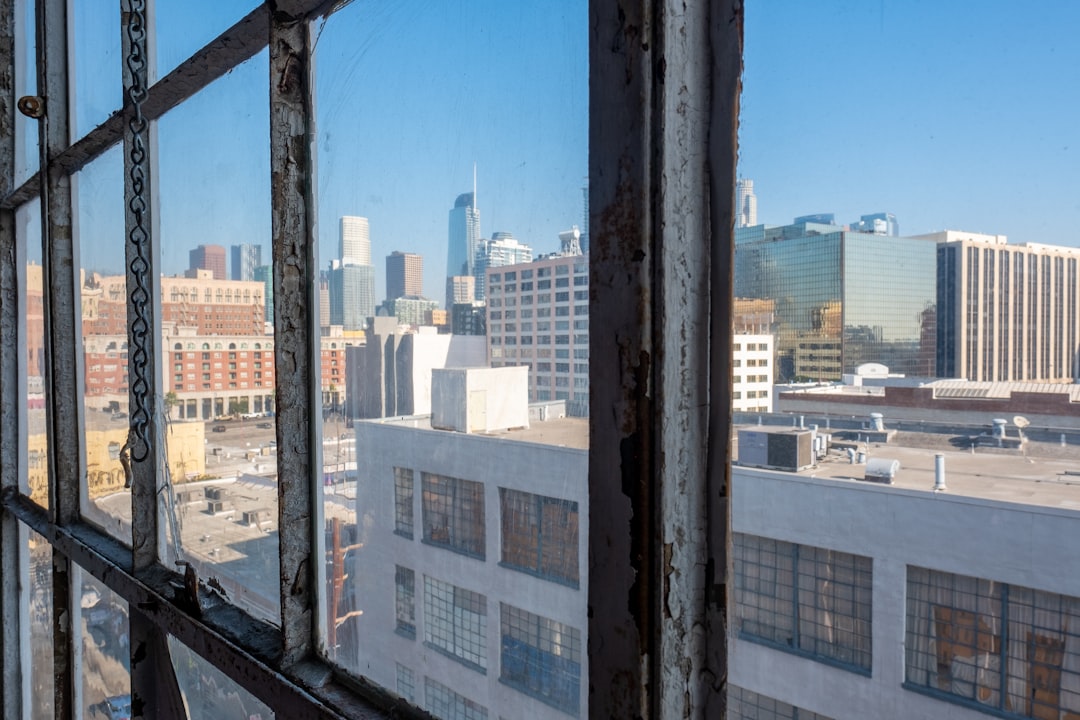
<point x="63" y="413"/>
<point x="296" y="344"/>
<point x="246" y="649"/>
<point x="726" y="45"/>
<point x="622" y="651"/>
<point x="154" y="689"/>
<point x="10" y="635"/>
<point x="237" y="44"/>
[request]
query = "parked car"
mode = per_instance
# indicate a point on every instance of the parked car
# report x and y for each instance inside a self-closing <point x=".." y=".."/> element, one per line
<point x="264" y="425"/>
<point x="116" y="707"/>
<point x="219" y="428"/>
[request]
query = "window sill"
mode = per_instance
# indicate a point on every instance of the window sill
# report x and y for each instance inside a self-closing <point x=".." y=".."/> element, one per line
<point x="823" y="659"/>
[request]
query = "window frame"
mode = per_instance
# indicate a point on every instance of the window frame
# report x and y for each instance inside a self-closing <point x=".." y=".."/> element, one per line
<point x="653" y="283"/>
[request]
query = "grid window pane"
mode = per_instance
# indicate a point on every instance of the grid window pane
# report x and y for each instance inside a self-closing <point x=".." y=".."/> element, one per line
<point x="540" y="534"/>
<point x="403" y="501"/>
<point x="405" y="594"/>
<point x="406" y="682"/>
<point x="812" y="600"/>
<point x="444" y="703"/>
<point x="455" y="622"/>
<point x="746" y="705"/>
<point x="1005" y="647"/>
<point x="541" y="657"/>
<point x="454" y="514"/>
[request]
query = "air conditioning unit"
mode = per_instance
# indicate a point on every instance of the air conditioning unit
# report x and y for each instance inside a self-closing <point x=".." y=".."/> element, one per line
<point x="214" y="507"/>
<point x="881" y="470"/>
<point x="790" y="450"/>
<point x="214" y="493"/>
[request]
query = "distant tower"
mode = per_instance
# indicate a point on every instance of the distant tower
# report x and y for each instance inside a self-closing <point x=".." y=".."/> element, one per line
<point x="245" y="258"/>
<point x="265" y="275"/>
<point x="352" y="277"/>
<point x="404" y="275"/>
<point x="464" y="234"/>
<point x="570" y="240"/>
<point x="209" y="257"/>
<point x="502" y="249"/>
<point x="745" y="204"/>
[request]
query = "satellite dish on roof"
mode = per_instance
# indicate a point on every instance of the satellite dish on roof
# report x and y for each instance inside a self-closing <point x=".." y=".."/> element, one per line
<point x="1021" y="422"/>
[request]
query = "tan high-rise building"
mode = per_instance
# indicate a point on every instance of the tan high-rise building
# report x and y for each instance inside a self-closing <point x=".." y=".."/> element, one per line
<point x="404" y="275"/>
<point x="1006" y="312"/>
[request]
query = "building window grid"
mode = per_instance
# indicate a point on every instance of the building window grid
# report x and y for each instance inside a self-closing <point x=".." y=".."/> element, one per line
<point x="405" y="601"/>
<point x="746" y="705"/>
<point x="969" y="638"/>
<point x="445" y="704"/>
<point x="406" y="682"/>
<point x="812" y="601"/>
<point x="455" y="622"/>
<point x="541" y="657"/>
<point x="453" y="513"/>
<point x="540" y="535"/>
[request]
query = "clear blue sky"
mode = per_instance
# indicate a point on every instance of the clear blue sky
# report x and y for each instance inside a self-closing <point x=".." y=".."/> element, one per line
<point x="948" y="113"/>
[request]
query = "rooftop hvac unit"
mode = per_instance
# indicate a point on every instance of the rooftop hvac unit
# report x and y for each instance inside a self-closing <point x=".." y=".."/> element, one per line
<point x="214" y="506"/>
<point x="256" y="517"/>
<point x="791" y="450"/>
<point x="881" y="470"/>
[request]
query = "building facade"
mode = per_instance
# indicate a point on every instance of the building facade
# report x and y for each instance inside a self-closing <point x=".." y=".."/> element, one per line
<point x="472" y="580"/>
<point x="245" y="258"/>
<point x="841" y="299"/>
<point x="404" y="275"/>
<point x="208" y="257"/>
<point x="501" y="250"/>
<point x="752" y="373"/>
<point x="352" y="295"/>
<point x="460" y="289"/>
<point x="1006" y="312"/>
<point x="538" y="315"/>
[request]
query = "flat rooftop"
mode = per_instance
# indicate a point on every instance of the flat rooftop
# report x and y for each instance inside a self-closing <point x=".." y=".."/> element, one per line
<point x="571" y="432"/>
<point x="1040" y="473"/>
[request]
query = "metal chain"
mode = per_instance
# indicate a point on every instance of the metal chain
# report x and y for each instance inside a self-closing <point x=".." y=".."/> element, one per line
<point x="139" y="358"/>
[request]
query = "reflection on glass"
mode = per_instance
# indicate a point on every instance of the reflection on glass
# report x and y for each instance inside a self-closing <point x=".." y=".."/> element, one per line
<point x="26" y="129"/>
<point x="98" y="200"/>
<point x="105" y="654"/>
<point x="96" y="69"/>
<point x="32" y="387"/>
<point x="182" y="28"/>
<point x="36" y="624"/>
<point x="217" y="354"/>
<point x="210" y="693"/>
<point x="455" y="393"/>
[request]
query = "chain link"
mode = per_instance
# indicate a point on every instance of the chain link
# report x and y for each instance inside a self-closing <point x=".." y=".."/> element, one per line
<point x="139" y="358"/>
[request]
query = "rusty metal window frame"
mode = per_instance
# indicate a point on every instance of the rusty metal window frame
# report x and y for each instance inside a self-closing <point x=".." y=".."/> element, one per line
<point x="664" y="83"/>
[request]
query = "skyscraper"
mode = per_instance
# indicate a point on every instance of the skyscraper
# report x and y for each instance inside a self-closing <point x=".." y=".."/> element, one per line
<point x="265" y="275"/>
<point x="209" y="257"/>
<point x="245" y="258"/>
<point x="502" y="249"/>
<point x="464" y="235"/>
<point x="585" y="220"/>
<point x="878" y="224"/>
<point x="404" y="275"/>
<point x="355" y="241"/>
<point x="460" y="289"/>
<point x="352" y="277"/>
<point x="745" y="204"/>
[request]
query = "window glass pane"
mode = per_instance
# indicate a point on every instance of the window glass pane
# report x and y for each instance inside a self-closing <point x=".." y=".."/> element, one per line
<point x="25" y="63"/>
<point x="33" y="390"/>
<point x="217" y="351"/>
<point x="96" y="68"/>
<point x="98" y="200"/>
<point x="447" y="192"/>
<point x="182" y="28"/>
<point x="35" y="625"/>
<point x="210" y="693"/>
<point x="103" y="652"/>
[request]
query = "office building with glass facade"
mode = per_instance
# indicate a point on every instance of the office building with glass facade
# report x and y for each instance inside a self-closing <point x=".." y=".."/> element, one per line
<point x="841" y="298"/>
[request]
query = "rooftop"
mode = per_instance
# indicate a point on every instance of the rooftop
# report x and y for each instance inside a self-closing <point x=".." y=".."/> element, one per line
<point x="1041" y="473"/>
<point x="568" y="432"/>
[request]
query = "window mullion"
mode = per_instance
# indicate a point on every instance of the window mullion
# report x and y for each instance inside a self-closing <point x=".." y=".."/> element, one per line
<point x="296" y="345"/>
<point x="10" y="635"/>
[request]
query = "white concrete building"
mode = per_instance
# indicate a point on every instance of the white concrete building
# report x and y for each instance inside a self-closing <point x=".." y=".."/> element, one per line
<point x="468" y="583"/>
<point x="752" y="373"/>
<point x="855" y="599"/>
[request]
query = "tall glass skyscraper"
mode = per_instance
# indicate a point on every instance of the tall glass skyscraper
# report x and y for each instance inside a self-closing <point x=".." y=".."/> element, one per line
<point x="745" y="204"/>
<point x="352" y="277"/>
<point x="842" y="298"/>
<point x="355" y="241"/>
<point x="464" y="235"/>
<point x="502" y="249"/>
